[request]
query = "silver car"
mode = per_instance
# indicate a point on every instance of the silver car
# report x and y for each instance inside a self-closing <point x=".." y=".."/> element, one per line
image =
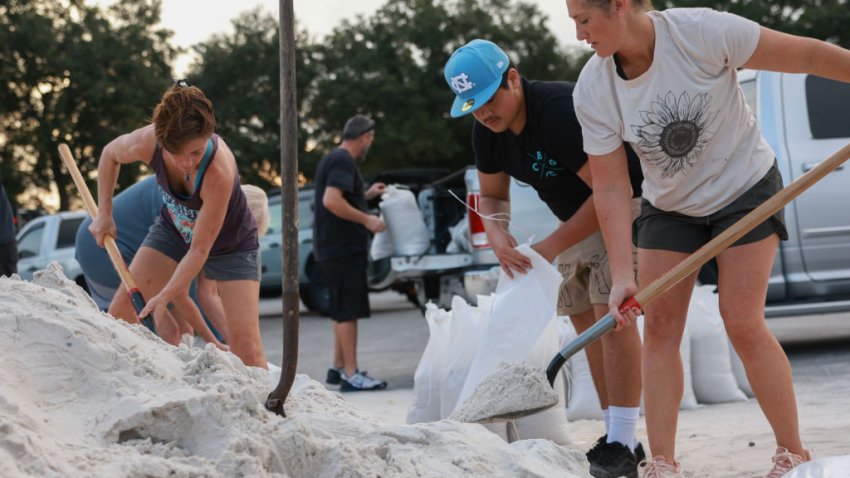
<point x="47" y="239"/>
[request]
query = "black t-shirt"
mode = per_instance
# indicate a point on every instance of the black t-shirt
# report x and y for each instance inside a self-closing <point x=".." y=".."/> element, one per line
<point x="548" y="152"/>
<point x="334" y="237"/>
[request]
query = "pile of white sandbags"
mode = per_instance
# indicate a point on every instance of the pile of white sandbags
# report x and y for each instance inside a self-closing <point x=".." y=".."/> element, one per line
<point x="406" y="233"/>
<point x="514" y="325"/>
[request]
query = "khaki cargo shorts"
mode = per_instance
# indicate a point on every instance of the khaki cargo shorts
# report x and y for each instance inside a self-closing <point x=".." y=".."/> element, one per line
<point x="587" y="277"/>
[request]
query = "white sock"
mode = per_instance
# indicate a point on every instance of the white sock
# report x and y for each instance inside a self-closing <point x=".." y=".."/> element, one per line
<point x="623" y="426"/>
<point x="607" y="417"/>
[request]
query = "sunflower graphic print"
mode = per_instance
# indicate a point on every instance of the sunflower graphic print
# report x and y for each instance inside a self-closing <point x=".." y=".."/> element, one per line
<point x="674" y="131"/>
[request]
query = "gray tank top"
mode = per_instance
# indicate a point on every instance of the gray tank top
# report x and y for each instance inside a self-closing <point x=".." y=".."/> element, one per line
<point x="179" y="213"/>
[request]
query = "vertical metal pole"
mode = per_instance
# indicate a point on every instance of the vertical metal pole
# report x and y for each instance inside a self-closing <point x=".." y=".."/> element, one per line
<point x="289" y="208"/>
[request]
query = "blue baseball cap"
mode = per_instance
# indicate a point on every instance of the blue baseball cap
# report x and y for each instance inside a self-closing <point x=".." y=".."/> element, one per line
<point x="474" y="73"/>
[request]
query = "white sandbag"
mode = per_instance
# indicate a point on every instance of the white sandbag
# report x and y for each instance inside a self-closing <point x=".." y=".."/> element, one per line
<point x="426" y="379"/>
<point x="404" y="221"/>
<point x="464" y="337"/>
<point x="382" y="244"/>
<point x="583" y="399"/>
<point x="832" y="467"/>
<point x="739" y="372"/>
<point x="523" y="306"/>
<point x="689" y="400"/>
<point x="710" y="363"/>
<point x="460" y="237"/>
<point x="522" y="314"/>
<point x="550" y="424"/>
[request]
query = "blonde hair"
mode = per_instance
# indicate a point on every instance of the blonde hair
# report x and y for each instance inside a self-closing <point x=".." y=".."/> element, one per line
<point x="258" y="203"/>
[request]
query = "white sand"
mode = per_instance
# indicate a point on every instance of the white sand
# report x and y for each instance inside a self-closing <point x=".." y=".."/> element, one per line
<point x="85" y="395"/>
<point x="510" y="389"/>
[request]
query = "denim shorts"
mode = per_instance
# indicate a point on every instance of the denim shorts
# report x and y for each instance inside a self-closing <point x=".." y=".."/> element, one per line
<point x="670" y="231"/>
<point x="241" y="265"/>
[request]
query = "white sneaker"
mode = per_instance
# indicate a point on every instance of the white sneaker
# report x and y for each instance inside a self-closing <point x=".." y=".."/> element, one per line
<point x="360" y="381"/>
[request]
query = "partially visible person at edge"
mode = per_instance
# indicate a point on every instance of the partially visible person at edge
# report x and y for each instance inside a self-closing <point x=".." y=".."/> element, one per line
<point x="8" y="244"/>
<point x="665" y="82"/>
<point x="528" y="130"/>
<point x="204" y="222"/>
<point x="341" y="245"/>
<point x="134" y="211"/>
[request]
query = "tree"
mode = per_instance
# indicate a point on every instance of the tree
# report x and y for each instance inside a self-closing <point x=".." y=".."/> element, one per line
<point x="821" y="19"/>
<point x="389" y="66"/>
<point x="78" y="76"/>
<point x="239" y="73"/>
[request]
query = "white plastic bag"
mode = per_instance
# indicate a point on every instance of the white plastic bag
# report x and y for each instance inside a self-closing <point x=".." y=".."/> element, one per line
<point x="464" y="336"/>
<point x="714" y="381"/>
<point x="382" y="244"/>
<point x="832" y="467"/>
<point x="522" y="328"/>
<point x="404" y="221"/>
<point x="426" y="379"/>
<point x="583" y="399"/>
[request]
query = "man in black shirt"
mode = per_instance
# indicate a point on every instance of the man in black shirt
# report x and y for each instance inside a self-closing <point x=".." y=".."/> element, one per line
<point x="528" y="130"/>
<point x="341" y="246"/>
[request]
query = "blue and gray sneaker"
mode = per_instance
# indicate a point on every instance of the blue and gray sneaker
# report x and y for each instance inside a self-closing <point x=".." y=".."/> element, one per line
<point x="360" y="381"/>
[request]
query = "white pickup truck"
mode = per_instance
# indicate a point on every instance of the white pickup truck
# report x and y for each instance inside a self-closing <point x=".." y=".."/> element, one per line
<point x="50" y="238"/>
<point x="804" y="119"/>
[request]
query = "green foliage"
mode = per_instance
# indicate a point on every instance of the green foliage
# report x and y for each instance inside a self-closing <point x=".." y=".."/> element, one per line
<point x="389" y="66"/>
<point x="822" y="19"/>
<point x="240" y="74"/>
<point x="74" y="75"/>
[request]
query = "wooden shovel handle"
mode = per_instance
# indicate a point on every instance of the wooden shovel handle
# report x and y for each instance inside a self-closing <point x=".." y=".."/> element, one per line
<point x="741" y="227"/>
<point x="108" y="241"/>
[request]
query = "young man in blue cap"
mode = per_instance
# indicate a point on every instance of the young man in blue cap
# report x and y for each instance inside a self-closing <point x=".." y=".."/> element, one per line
<point x="528" y="130"/>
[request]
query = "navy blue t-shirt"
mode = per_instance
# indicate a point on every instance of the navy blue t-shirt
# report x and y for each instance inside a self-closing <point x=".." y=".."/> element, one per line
<point x="548" y="153"/>
<point x="334" y="237"/>
<point x="133" y="210"/>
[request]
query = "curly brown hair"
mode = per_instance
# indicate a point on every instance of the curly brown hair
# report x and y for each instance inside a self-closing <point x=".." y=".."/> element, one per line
<point x="183" y="113"/>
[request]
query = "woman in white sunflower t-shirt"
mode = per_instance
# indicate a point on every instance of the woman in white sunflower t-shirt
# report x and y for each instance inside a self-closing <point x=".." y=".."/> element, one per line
<point x="665" y="82"/>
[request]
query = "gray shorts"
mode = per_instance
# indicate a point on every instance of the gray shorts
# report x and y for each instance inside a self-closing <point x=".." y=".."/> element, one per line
<point x="586" y="273"/>
<point x="670" y="231"/>
<point x="242" y="265"/>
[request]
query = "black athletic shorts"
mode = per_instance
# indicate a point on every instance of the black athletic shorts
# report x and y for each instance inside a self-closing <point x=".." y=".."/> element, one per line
<point x="347" y="283"/>
<point x="670" y="231"/>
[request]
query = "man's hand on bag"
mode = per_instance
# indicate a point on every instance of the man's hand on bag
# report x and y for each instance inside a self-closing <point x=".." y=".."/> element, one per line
<point x="375" y="224"/>
<point x="503" y="244"/>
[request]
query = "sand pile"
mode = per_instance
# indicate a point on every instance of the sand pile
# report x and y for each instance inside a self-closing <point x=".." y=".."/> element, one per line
<point x="85" y="395"/>
<point x="511" y="389"/>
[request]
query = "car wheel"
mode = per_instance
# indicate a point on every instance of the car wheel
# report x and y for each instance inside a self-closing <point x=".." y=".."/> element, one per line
<point x="318" y="293"/>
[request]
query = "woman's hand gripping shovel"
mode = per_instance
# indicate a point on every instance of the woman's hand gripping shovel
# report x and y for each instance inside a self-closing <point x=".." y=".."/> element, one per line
<point x="111" y="248"/>
<point x="676" y="274"/>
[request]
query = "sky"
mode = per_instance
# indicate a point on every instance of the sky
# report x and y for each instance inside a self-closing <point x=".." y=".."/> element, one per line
<point x="319" y="17"/>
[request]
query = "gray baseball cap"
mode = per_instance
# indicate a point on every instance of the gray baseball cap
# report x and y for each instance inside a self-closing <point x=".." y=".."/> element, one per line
<point x="357" y="125"/>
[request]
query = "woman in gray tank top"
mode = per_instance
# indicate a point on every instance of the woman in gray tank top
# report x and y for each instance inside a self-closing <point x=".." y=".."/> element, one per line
<point x="205" y="224"/>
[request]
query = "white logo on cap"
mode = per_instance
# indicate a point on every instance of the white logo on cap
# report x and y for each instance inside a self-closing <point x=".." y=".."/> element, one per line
<point x="461" y="83"/>
<point x="500" y="64"/>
